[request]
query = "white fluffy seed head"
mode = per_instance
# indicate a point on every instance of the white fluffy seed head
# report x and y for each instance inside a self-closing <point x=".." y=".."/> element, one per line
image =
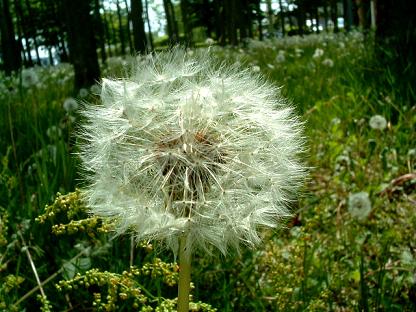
<point x="189" y="146"/>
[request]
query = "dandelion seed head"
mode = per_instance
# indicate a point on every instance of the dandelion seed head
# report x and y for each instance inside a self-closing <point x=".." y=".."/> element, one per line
<point x="83" y="93"/>
<point x="280" y="58"/>
<point x="29" y="77"/>
<point x="318" y="53"/>
<point x="378" y="122"/>
<point x="208" y="150"/>
<point x="70" y="105"/>
<point x="359" y="205"/>
<point x="328" y="62"/>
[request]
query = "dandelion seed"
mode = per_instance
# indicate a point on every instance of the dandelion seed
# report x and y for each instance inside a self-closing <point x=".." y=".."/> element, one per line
<point x="70" y="105"/>
<point x="29" y="77"/>
<point x="255" y="68"/>
<point x="95" y="89"/>
<point x="209" y="41"/>
<point x="328" y="62"/>
<point x="280" y="58"/>
<point x="359" y="205"/>
<point x="378" y="122"/>
<point x="83" y="93"/>
<point x="318" y="53"/>
<point x="53" y="132"/>
<point x="208" y="152"/>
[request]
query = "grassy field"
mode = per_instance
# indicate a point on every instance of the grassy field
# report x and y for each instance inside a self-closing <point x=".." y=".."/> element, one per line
<point x="349" y="247"/>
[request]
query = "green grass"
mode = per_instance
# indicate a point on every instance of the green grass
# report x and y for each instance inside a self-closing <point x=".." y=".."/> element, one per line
<point x="324" y="259"/>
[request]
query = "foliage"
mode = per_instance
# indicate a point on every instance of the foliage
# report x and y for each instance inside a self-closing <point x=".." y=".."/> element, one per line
<point x="325" y="259"/>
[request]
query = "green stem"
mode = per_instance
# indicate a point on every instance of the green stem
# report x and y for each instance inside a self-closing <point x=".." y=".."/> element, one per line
<point x="184" y="276"/>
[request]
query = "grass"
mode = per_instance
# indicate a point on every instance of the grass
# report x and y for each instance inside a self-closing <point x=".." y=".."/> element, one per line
<point x="325" y="259"/>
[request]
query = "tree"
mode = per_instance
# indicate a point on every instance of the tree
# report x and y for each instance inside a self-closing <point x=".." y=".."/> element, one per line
<point x="139" y="35"/>
<point x="10" y="48"/>
<point x="81" y="42"/>
<point x="396" y="38"/>
<point x="171" y="21"/>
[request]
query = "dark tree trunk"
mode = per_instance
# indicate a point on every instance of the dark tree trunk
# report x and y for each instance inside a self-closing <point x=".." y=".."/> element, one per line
<point x="10" y="48"/>
<point x="282" y="18"/>
<point x="219" y="25"/>
<point x="139" y="34"/>
<point x="171" y="22"/>
<point x="270" y="14"/>
<point x="33" y="28"/>
<point x="259" y="19"/>
<point x="187" y="26"/>
<point x="325" y="15"/>
<point x="243" y="19"/>
<point x="316" y="15"/>
<point x="120" y="29"/>
<point x="363" y="12"/>
<point x="396" y="37"/>
<point x="301" y="18"/>
<point x="148" y="25"/>
<point x="81" y="42"/>
<point x="347" y="14"/>
<point x="108" y="33"/>
<point x="334" y="14"/>
<point x="230" y="19"/>
<point x="100" y="30"/>
<point x="23" y="26"/>
<point x="128" y="26"/>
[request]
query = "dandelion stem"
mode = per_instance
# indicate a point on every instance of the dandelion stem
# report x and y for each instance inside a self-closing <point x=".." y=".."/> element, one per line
<point x="32" y="264"/>
<point x="184" y="276"/>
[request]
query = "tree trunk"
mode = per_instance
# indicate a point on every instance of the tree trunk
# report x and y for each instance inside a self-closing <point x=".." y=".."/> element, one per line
<point x="22" y="30"/>
<point x="326" y="15"/>
<point x="171" y="22"/>
<point x="186" y="22"/>
<point x="396" y="37"/>
<point x="128" y="26"/>
<point x="270" y="14"/>
<point x="259" y="19"/>
<point x="282" y="18"/>
<point x="301" y="18"/>
<point x="334" y="14"/>
<point x="10" y="48"/>
<point x="363" y="11"/>
<point x="33" y="28"/>
<point x="316" y="15"/>
<point x="81" y="42"/>
<point x="120" y="29"/>
<point x="100" y="30"/>
<point x="347" y="14"/>
<point x="139" y="34"/>
<point x="148" y="26"/>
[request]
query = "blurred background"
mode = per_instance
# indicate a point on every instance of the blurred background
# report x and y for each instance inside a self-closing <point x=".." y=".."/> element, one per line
<point x="347" y="66"/>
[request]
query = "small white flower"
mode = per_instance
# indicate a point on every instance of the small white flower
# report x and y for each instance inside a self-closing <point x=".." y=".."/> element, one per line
<point x="70" y="105"/>
<point x="255" y="68"/>
<point x="83" y="93"/>
<point x="209" y="41"/>
<point x="335" y="121"/>
<point x="270" y="66"/>
<point x="209" y="152"/>
<point x="318" y="53"/>
<point x="29" y="77"/>
<point x="280" y="58"/>
<point x="53" y="132"/>
<point x="359" y="205"/>
<point x="328" y="62"/>
<point x="378" y="122"/>
<point x="95" y="89"/>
